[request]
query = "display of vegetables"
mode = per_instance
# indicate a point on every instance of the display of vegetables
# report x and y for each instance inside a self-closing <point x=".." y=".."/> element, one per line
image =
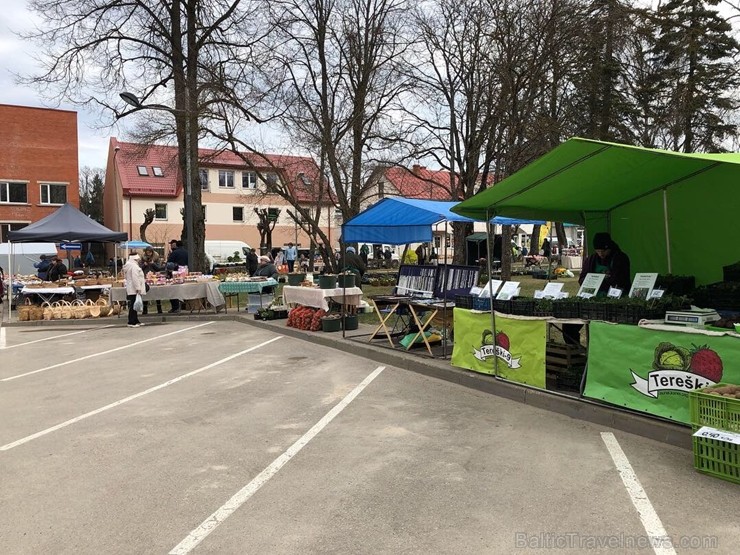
<point x="306" y="318"/>
<point x="728" y="390"/>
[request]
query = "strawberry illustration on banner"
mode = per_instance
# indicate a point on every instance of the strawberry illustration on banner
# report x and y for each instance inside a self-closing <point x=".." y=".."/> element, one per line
<point x="677" y="368"/>
<point x="498" y="348"/>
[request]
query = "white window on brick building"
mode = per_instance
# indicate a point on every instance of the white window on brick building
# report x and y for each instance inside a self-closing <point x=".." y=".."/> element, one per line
<point x="142" y="170"/>
<point x="203" y="178"/>
<point x="160" y="211"/>
<point x="157" y="171"/>
<point x="13" y="192"/>
<point x="226" y="179"/>
<point x="249" y="180"/>
<point x="53" y="193"/>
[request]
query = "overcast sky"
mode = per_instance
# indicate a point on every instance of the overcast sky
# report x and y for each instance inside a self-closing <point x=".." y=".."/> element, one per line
<point x="16" y="57"/>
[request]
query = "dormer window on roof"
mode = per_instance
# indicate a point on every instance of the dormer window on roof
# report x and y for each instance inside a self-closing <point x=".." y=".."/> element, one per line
<point x="157" y="171"/>
<point x="142" y="170"/>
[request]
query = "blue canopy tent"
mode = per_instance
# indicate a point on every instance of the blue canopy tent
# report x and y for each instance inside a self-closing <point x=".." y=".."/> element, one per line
<point x="399" y="221"/>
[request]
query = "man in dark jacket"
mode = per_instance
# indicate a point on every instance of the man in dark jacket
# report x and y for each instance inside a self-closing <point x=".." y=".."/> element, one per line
<point x="354" y="263"/>
<point x="57" y="270"/>
<point x="178" y="257"/>
<point x="42" y="266"/>
<point x="252" y="262"/>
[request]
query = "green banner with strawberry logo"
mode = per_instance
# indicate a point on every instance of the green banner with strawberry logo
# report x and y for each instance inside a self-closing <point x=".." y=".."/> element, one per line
<point x="517" y="346"/>
<point x="653" y="370"/>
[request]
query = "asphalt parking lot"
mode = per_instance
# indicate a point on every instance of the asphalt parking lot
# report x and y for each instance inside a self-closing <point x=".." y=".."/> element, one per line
<point x="219" y="437"/>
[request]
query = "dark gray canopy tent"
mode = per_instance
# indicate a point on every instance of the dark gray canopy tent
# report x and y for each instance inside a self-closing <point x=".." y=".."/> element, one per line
<point x="66" y="225"/>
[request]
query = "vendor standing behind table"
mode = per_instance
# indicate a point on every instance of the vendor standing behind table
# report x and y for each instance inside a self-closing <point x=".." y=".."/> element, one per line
<point x="178" y="257"/>
<point x="253" y="262"/>
<point x="607" y="259"/>
<point x="57" y="270"/>
<point x="42" y="266"/>
<point x="150" y="263"/>
<point x="353" y="263"/>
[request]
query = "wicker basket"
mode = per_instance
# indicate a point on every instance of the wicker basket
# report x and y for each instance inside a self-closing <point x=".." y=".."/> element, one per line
<point x="48" y="310"/>
<point x="24" y="311"/>
<point x="105" y="308"/>
<point x="80" y="310"/>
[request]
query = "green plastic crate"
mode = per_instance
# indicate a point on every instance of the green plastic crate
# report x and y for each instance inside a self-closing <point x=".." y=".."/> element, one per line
<point x="722" y="413"/>
<point x="717" y="458"/>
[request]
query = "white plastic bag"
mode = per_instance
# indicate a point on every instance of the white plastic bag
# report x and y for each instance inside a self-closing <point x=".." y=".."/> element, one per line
<point x="139" y="304"/>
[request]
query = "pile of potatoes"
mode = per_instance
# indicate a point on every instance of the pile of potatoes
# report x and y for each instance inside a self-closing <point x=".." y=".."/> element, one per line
<point x="732" y="391"/>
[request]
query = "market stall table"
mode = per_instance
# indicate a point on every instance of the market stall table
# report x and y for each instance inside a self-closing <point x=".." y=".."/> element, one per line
<point x="230" y="288"/>
<point x="183" y="291"/>
<point x="571" y="262"/>
<point x="47" y="293"/>
<point x="319" y="298"/>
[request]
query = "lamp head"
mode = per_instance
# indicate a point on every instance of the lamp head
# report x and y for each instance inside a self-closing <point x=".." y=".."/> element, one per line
<point x="131" y="99"/>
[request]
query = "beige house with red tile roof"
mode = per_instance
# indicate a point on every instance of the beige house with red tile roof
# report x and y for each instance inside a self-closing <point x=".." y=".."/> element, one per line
<point x="141" y="177"/>
<point x="418" y="182"/>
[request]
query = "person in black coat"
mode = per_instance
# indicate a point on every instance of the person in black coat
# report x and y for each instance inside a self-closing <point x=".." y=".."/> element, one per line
<point x="610" y="260"/>
<point x="607" y="259"/>
<point x="252" y="262"/>
<point x="178" y="257"/>
<point x="57" y="270"/>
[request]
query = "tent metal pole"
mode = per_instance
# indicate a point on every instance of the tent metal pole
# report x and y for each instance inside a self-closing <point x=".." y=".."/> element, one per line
<point x="10" y="289"/>
<point x="489" y="244"/>
<point x="667" y="233"/>
<point x="444" y="297"/>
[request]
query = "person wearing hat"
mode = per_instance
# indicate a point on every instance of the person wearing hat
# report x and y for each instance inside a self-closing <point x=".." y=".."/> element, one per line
<point x="135" y="285"/>
<point x="43" y="267"/>
<point x="607" y="259"/>
<point x="610" y="260"/>
<point x="266" y="268"/>
<point x="353" y="263"/>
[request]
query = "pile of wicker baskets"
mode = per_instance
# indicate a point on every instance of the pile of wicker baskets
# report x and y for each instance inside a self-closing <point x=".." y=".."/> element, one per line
<point x="64" y="310"/>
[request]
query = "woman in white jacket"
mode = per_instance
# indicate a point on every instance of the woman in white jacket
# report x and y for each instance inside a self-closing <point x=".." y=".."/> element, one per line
<point x="135" y="285"/>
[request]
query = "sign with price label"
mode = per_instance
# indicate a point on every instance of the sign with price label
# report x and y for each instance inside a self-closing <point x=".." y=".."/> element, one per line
<point x="718" y="435"/>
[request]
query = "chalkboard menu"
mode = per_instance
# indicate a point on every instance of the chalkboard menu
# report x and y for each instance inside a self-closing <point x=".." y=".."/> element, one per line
<point x="446" y="280"/>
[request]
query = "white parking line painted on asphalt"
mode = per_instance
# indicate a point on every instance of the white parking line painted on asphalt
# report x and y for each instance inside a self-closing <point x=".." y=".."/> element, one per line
<point x="240" y="497"/>
<point x="3" y="344"/>
<point x="2" y="336"/>
<point x="37" y="435"/>
<point x="659" y="540"/>
<point x="127" y="346"/>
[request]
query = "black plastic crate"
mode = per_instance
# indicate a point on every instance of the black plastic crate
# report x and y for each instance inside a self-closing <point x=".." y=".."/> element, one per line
<point x="503" y="306"/>
<point x="522" y="307"/>
<point x="594" y="310"/>
<point x="464" y="301"/>
<point x="566" y="309"/>
<point x="542" y="307"/>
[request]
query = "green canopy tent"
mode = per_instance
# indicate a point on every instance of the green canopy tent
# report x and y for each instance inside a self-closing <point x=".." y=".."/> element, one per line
<point x="671" y="212"/>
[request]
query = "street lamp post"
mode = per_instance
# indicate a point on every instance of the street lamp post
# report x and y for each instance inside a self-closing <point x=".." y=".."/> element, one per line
<point x="133" y="100"/>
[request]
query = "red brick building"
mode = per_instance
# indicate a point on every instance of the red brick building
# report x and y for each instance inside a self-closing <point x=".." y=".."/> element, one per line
<point x="38" y="164"/>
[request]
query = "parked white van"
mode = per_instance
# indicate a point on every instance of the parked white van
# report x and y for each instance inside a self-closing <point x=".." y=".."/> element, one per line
<point x="222" y="250"/>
